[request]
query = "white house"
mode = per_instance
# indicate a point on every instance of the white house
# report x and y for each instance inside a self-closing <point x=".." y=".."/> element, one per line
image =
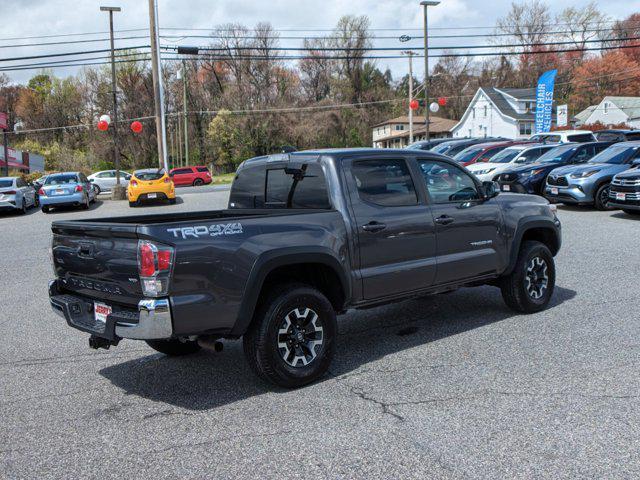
<point x="612" y="111"/>
<point x="499" y="112"/>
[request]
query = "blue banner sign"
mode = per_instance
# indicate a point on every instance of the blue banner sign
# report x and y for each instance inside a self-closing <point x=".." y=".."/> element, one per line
<point x="544" y="101"/>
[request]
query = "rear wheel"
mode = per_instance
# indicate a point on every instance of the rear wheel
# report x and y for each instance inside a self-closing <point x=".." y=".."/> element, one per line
<point x="97" y="189"/>
<point x="174" y="347"/>
<point x="291" y="341"/>
<point x="133" y="204"/>
<point x="197" y="182"/>
<point x="45" y="209"/>
<point x="602" y="197"/>
<point x="529" y="287"/>
<point x="172" y="201"/>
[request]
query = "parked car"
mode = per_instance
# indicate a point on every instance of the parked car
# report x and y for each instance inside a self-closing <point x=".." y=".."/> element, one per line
<point x="564" y="136"/>
<point x="453" y="147"/>
<point x="150" y="184"/>
<point x="481" y="152"/>
<point x="376" y="229"/>
<point x="66" y="189"/>
<point x="530" y="178"/>
<point x="589" y="184"/>
<point x="625" y="190"/>
<point x="617" y="135"/>
<point x="16" y="195"/>
<point x="507" y="159"/>
<point x="427" y="144"/>
<point x="195" y="176"/>
<point x="105" y="180"/>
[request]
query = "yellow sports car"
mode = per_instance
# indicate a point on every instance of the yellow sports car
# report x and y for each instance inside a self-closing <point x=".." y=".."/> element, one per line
<point x="150" y="184"/>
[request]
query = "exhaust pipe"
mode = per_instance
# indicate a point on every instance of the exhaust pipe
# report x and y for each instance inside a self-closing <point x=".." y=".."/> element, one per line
<point x="211" y="343"/>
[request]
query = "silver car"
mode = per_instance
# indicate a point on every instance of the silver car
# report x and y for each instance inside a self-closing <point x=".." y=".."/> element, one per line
<point x="16" y="195"/>
<point x="104" y="181"/>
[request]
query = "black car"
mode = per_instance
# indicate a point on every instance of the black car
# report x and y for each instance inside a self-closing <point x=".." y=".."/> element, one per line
<point x="530" y="178"/>
<point x="453" y="147"/>
<point x="617" y="135"/>
<point x="427" y="145"/>
<point x="307" y="236"/>
<point x="625" y="191"/>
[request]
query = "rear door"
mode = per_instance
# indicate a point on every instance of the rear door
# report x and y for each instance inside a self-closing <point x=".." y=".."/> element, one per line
<point x="468" y="228"/>
<point x="183" y="176"/>
<point x="395" y="229"/>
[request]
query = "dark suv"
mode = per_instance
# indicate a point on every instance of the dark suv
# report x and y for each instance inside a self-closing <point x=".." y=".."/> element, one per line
<point x="617" y="135"/>
<point x="530" y="178"/>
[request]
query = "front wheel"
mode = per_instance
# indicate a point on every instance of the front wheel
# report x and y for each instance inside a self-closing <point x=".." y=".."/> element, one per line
<point x="133" y="204"/>
<point x="529" y="287"/>
<point x="601" y="200"/>
<point x="172" y="201"/>
<point x="291" y="341"/>
<point x="174" y="347"/>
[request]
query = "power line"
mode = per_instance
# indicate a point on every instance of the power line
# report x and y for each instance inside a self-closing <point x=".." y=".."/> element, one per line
<point x="66" y="54"/>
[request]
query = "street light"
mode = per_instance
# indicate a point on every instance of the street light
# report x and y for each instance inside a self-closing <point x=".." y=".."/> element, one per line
<point x="118" y="192"/>
<point x="426" y="4"/>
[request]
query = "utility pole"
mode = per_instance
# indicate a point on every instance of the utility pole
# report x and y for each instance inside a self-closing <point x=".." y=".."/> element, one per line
<point x="4" y="125"/>
<point x="184" y="112"/>
<point x="158" y="92"/>
<point x="410" y="54"/>
<point x="426" y="4"/>
<point x="119" y="192"/>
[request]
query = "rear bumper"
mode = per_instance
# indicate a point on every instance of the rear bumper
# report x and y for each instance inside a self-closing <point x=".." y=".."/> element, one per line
<point x="75" y="199"/>
<point x="151" y="321"/>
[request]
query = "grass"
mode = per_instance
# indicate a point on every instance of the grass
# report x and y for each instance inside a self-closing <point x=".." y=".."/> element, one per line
<point x="222" y="179"/>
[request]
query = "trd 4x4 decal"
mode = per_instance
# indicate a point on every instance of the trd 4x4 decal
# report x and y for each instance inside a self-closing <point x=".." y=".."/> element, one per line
<point x="198" y="231"/>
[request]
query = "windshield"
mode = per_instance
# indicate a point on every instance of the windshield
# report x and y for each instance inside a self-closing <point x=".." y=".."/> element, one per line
<point x="506" y="155"/>
<point x="64" y="178"/>
<point x="615" y="155"/>
<point x="467" y="154"/>
<point x="4" y="183"/>
<point x="443" y="148"/>
<point x="149" y="174"/>
<point x="557" y="154"/>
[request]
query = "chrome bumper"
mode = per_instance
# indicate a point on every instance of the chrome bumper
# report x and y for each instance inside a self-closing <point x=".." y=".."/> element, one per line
<point x="154" y="321"/>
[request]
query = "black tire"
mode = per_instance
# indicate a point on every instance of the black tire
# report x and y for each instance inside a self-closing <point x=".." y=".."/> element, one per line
<point x="133" y="204"/>
<point x="97" y="189"/>
<point x="519" y="289"/>
<point x="601" y="198"/>
<point x="45" y="209"/>
<point x="198" y="182"/>
<point x="172" y="201"/>
<point x="174" y="348"/>
<point x="293" y="305"/>
<point x="631" y="212"/>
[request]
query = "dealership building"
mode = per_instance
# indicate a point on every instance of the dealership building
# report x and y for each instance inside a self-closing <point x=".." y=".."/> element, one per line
<point x="26" y="162"/>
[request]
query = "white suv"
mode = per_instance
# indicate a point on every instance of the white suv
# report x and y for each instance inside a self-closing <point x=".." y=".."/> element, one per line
<point x="507" y="158"/>
<point x="564" y="136"/>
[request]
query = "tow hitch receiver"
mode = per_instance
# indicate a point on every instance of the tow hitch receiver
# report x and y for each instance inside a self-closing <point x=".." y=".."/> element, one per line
<point x="99" y="342"/>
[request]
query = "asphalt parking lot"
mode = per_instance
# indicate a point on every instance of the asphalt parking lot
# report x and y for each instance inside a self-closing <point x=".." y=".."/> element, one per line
<point x="449" y="386"/>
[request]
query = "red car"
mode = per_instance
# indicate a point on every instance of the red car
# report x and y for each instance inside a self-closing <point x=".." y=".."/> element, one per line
<point x="195" y="176"/>
<point x="482" y="152"/>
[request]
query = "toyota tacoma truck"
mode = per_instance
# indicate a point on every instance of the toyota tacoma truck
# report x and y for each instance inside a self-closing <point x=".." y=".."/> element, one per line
<point x="306" y="236"/>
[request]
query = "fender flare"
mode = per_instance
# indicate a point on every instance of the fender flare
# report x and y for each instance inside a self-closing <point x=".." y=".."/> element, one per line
<point x="526" y="224"/>
<point x="273" y="259"/>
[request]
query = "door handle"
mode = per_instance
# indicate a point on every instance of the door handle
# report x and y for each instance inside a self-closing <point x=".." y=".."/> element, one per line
<point x="444" y="220"/>
<point x="374" y="227"/>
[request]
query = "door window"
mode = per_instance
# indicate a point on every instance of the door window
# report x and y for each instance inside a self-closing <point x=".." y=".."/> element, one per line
<point x="384" y="182"/>
<point x="304" y="189"/>
<point x="447" y="183"/>
<point x="182" y="171"/>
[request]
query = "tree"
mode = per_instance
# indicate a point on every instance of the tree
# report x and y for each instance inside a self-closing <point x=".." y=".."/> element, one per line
<point x="226" y="141"/>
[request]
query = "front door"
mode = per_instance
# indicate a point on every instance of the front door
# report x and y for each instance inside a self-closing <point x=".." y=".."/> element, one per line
<point x="395" y="229"/>
<point x="468" y="226"/>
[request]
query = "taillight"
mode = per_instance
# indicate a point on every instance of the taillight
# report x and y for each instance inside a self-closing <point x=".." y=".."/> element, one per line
<point x="154" y="267"/>
<point x="41" y="192"/>
<point x="133" y="183"/>
<point x="78" y="188"/>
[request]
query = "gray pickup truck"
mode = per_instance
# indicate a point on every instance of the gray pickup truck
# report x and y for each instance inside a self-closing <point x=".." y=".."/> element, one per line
<point x="306" y="236"/>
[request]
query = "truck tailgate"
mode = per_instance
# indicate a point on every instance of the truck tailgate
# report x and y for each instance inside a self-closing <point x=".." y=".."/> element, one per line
<point x="96" y="260"/>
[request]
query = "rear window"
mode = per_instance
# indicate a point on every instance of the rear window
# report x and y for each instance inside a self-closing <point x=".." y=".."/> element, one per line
<point x="203" y="169"/>
<point x="257" y="187"/>
<point x="148" y="175"/>
<point x="384" y="182"/>
<point x="583" y="137"/>
<point x="181" y="171"/>
<point x="608" y="137"/>
<point x="6" y="183"/>
<point x="61" y="179"/>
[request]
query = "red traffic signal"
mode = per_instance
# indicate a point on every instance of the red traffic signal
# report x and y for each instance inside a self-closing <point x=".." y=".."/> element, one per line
<point x="136" y="126"/>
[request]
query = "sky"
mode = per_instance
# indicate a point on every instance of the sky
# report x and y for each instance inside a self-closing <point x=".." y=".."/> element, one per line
<point x="26" y="18"/>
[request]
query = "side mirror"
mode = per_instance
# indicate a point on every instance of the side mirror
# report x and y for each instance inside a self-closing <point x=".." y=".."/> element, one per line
<point x="490" y="189"/>
<point x="91" y="180"/>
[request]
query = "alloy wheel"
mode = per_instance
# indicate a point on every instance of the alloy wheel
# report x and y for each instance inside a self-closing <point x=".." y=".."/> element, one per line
<point x="300" y="337"/>
<point x="604" y="196"/>
<point x="536" y="278"/>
